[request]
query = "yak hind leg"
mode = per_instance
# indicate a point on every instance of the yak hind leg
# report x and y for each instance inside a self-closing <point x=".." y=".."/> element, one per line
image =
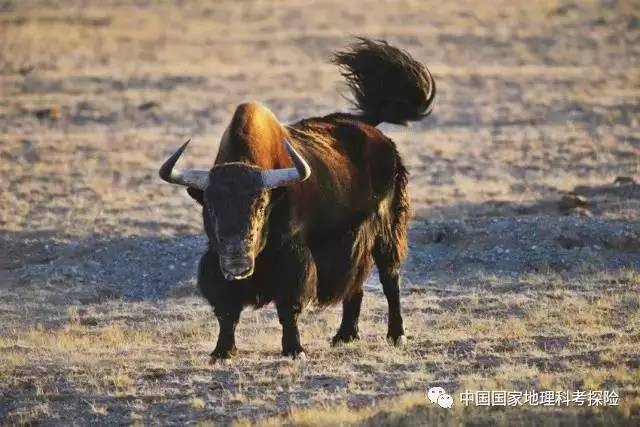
<point x="357" y="270"/>
<point x="389" y="272"/>
<point x="226" y="305"/>
<point x="348" y="330"/>
<point x="390" y="251"/>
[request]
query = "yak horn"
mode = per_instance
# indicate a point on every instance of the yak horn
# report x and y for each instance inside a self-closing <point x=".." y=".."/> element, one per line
<point x="274" y="178"/>
<point x="432" y="93"/>
<point x="193" y="178"/>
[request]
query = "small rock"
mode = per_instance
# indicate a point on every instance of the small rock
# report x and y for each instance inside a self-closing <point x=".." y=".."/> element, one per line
<point x="624" y="180"/>
<point x="147" y="105"/>
<point x="51" y="113"/>
<point x="572" y="200"/>
<point x="25" y="69"/>
<point x="89" y="321"/>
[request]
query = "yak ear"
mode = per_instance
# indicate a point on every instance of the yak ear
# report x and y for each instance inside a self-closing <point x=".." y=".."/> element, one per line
<point x="197" y="195"/>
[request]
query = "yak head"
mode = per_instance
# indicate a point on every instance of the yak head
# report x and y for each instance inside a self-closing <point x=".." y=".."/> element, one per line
<point x="236" y="202"/>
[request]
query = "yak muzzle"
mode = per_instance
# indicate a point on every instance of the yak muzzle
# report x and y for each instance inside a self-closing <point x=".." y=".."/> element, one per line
<point x="236" y="267"/>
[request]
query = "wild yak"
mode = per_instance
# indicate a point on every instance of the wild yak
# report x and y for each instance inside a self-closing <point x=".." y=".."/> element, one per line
<point x="298" y="213"/>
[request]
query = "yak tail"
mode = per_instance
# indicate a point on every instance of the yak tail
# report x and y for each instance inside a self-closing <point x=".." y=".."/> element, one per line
<point x="388" y="85"/>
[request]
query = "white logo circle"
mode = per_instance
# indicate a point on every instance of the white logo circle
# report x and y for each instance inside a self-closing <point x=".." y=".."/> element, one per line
<point x="439" y="396"/>
<point x="434" y="393"/>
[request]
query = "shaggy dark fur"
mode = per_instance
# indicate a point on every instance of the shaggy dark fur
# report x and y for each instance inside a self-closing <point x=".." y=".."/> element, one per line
<point x="318" y="239"/>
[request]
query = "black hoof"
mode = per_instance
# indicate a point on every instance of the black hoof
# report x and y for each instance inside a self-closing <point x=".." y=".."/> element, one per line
<point x="297" y="353"/>
<point x="398" y="341"/>
<point x="222" y="355"/>
<point x="341" y="338"/>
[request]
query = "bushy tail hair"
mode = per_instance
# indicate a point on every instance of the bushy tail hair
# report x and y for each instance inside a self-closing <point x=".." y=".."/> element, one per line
<point x="388" y="85"/>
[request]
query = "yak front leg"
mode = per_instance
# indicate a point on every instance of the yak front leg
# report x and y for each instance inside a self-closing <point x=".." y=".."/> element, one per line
<point x="225" y="302"/>
<point x="297" y="276"/>
<point x="226" y="345"/>
<point x="288" y="316"/>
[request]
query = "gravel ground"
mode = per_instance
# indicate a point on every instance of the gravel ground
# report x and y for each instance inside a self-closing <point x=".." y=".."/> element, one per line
<point x="524" y="245"/>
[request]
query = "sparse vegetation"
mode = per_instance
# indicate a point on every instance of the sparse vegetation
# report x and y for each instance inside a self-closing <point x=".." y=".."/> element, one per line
<point x="509" y="285"/>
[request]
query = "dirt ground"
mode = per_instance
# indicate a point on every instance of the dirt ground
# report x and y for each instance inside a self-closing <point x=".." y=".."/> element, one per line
<point x="524" y="269"/>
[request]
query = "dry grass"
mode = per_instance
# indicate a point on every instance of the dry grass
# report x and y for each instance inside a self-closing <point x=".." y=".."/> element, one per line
<point x="535" y="98"/>
<point x="481" y="338"/>
<point x="411" y="409"/>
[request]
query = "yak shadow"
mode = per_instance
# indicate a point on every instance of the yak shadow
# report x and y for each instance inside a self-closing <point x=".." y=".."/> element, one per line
<point x="507" y="241"/>
<point x="40" y="267"/>
<point x="466" y="242"/>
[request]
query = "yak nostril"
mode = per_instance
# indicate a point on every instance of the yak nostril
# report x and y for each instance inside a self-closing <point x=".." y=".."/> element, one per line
<point x="236" y="268"/>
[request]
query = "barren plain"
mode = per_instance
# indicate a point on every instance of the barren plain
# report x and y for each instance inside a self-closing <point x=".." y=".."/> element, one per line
<point x="524" y="267"/>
